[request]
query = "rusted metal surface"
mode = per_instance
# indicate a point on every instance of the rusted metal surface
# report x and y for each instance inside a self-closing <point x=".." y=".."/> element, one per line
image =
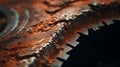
<point x="39" y="31"/>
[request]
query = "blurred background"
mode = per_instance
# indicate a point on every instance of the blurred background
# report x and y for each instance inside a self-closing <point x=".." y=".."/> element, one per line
<point x="98" y="49"/>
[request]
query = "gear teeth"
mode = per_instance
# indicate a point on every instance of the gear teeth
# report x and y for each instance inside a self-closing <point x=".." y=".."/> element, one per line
<point x="63" y="55"/>
<point x="57" y="63"/>
<point x="74" y="42"/>
<point x="108" y="22"/>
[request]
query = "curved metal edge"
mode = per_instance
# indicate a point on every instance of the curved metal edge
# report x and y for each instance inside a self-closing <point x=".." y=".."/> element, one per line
<point x="12" y="20"/>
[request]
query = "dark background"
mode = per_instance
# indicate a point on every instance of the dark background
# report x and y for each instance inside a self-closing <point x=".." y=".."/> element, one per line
<point x="98" y="49"/>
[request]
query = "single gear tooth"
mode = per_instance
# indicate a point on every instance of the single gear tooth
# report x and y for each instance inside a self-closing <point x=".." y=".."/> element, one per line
<point x="73" y="42"/>
<point x="85" y="32"/>
<point x="108" y="22"/>
<point x="63" y="56"/>
<point x="57" y="63"/>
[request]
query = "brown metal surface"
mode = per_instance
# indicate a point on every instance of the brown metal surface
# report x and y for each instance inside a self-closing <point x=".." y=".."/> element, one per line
<point x="46" y="26"/>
